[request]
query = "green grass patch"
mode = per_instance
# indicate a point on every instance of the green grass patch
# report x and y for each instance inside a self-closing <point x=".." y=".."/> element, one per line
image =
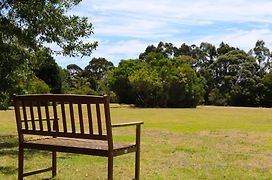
<point x="202" y="143"/>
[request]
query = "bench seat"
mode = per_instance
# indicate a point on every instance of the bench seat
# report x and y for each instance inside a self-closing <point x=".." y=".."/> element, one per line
<point x="79" y="146"/>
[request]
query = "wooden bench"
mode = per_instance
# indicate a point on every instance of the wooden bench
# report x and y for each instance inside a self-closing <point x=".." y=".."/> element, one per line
<point x="70" y="123"/>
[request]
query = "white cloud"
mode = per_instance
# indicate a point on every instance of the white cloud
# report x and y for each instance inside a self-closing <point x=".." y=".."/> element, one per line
<point x="112" y="51"/>
<point x="125" y="27"/>
<point x="181" y="11"/>
<point x="115" y="51"/>
<point x="240" y="38"/>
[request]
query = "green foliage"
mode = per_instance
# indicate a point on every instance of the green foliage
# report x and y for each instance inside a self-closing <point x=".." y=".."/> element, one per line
<point x="147" y="86"/>
<point x="267" y="90"/>
<point x="184" y="87"/>
<point x="4" y="101"/>
<point x="95" y="72"/>
<point x="119" y="80"/>
<point x="65" y="80"/>
<point x="48" y="70"/>
<point x="32" y="23"/>
<point x="90" y="80"/>
<point x="167" y="76"/>
<point x="157" y="81"/>
<point x="98" y="67"/>
<point x="224" y="49"/>
<point x="26" y="27"/>
<point x="80" y="85"/>
<point x="34" y="86"/>
<point x="234" y="76"/>
<point x="216" y="98"/>
<point x="263" y="56"/>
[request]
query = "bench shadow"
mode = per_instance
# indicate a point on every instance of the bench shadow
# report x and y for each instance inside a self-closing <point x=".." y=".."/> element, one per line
<point x="8" y="170"/>
<point x="9" y="147"/>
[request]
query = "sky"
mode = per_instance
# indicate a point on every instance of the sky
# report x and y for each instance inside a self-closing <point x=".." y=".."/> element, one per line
<point x="124" y="28"/>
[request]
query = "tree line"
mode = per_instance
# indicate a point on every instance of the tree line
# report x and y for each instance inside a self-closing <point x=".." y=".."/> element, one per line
<point x="185" y="76"/>
<point x="189" y="75"/>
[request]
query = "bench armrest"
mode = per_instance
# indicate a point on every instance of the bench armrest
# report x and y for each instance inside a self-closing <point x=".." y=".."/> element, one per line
<point x="127" y="124"/>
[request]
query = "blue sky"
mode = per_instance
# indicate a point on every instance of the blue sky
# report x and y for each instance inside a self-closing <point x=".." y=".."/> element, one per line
<point x="124" y="28"/>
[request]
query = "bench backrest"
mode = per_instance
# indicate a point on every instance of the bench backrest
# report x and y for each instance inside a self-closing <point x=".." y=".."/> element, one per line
<point x="74" y="116"/>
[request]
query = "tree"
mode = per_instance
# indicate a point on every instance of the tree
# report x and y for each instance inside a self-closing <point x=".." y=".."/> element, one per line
<point x="74" y="71"/>
<point x="224" y="49"/>
<point x="184" y="49"/>
<point x="30" y="24"/>
<point x="118" y="80"/>
<point x="81" y="86"/>
<point x="157" y="81"/>
<point x="235" y="79"/>
<point x="267" y="90"/>
<point x="209" y="53"/>
<point x="98" y="67"/>
<point x="263" y="57"/>
<point x="166" y="49"/>
<point x="183" y="87"/>
<point x="27" y="26"/>
<point x="147" y="86"/>
<point x="48" y="70"/>
<point x="96" y="70"/>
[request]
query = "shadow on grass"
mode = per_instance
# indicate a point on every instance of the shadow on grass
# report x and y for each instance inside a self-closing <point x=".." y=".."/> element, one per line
<point x="9" y="147"/>
<point x="9" y="141"/>
<point x="8" y="170"/>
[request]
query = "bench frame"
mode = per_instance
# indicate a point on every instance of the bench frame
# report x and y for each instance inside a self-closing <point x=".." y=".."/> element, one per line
<point x="28" y="126"/>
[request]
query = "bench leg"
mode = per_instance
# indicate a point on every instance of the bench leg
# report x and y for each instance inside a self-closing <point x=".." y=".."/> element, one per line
<point x="110" y="168"/>
<point x="137" y="153"/>
<point x="54" y="163"/>
<point x="137" y="165"/>
<point x="20" y="163"/>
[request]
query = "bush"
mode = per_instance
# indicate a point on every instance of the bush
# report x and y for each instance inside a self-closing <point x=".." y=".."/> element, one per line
<point x="34" y="86"/>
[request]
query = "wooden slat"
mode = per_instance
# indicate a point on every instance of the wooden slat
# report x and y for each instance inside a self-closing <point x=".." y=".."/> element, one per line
<point x="37" y="172"/>
<point x="63" y="117"/>
<point x="55" y="122"/>
<point x="80" y="118"/>
<point x="40" y="116"/>
<point x="108" y="122"/>
<point x="47" y="117"/>
<point x="62" y="134"/>
<point x="62" y="98"/>
<point x="51" y="119"/>
<point x="98" y="119"/>
<point x="72" y="117"/>
<point x="127" y="124"/>
<point x="24" y="114"/>
<point x="90" y="120"/>
<point x="32" y="116"/>
<point x="18" y="117"/>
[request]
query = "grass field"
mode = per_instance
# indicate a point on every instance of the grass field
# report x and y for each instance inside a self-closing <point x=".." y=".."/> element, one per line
<point x="201" y="143"/>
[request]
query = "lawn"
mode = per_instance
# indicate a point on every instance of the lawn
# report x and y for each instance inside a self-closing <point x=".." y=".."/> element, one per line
<point x="202" y="143"/>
